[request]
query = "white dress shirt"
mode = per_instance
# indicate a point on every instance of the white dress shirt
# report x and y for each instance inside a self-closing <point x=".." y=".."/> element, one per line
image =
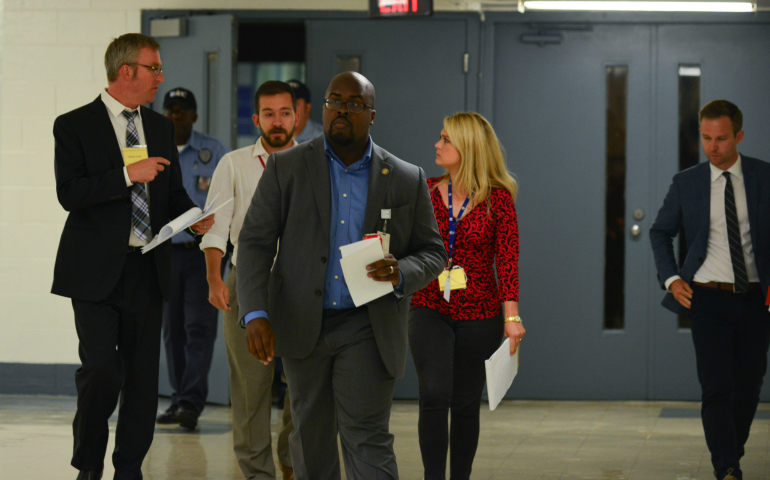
<point x="120" y="124"/>
<point x="718" y="265"/>
<point x="236" y="177"/>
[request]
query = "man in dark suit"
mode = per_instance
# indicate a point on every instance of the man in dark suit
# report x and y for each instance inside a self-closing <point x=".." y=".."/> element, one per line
<point x="117" y="291"/>
<point x="724" y="206"/>
<point x="341" y="361"/>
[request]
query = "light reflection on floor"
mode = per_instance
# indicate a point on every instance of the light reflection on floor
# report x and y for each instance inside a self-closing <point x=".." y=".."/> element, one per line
<point x="521" y="440"/>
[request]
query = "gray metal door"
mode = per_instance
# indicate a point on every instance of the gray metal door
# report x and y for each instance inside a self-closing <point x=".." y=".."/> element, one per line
<point x="734" y="64"/>
<point x="204" y="62"/>
<point x="417" y="71"/>
<point x="551" y="114"/>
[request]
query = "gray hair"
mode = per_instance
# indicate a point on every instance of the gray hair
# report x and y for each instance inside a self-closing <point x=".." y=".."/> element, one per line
<point x="125" y="49"/>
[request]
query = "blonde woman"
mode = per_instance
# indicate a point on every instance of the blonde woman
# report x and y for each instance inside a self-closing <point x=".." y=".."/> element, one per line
<point x="453" y="330"/>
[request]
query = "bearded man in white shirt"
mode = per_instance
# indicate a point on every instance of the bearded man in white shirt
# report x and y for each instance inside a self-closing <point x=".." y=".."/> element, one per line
<point x="251" y="381"/>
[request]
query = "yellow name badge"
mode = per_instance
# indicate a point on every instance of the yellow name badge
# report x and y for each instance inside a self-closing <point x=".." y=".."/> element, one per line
<point x="457" y="279"/>
<point x="134" y="154"/>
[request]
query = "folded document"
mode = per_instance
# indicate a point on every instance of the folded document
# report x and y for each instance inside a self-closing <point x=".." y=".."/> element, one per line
<point x="190" y="217"/>
<point x="355" y="258"/>
<point x="501" y="370"/>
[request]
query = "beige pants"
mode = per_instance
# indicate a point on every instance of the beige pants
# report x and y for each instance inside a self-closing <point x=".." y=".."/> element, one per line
<point x="251" y="397"/>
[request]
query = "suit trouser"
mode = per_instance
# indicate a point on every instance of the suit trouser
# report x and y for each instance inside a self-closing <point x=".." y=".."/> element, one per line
<point x="731" y="334"/>
<point x="449" y="358"/>
<point x="251" y="385"/>
<point x="342" y="386"/>
<point x="119" y="350"/>
<point x="189" y="328"/>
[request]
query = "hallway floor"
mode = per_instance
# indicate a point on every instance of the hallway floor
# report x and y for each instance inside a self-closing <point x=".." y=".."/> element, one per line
<point x="521" y="440"/>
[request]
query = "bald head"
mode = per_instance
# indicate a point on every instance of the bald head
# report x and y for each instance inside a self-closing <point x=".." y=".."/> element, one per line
<point x="355" y="80"/>
<point x="347" y="121"/>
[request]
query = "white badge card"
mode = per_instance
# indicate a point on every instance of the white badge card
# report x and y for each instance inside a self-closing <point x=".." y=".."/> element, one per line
<point x="385" y="242"/>
<point x="385" y="214"/>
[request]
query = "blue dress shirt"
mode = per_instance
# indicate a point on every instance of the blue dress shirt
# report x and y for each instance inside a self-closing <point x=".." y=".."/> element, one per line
<point x="196" y="172"/>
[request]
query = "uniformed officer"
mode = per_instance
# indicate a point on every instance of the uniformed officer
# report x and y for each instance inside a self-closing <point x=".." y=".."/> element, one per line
<point x="307" y="129"/>
<point x="189" y="320"/>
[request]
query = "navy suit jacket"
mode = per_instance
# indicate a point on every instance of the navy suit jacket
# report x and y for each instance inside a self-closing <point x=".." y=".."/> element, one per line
<point x="91" y="186"/>
<point x="688" y="203"/>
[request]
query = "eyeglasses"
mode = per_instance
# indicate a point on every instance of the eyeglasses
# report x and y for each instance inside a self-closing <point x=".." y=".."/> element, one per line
<point x="155" y="70"/>
<point x="353" y="107"/>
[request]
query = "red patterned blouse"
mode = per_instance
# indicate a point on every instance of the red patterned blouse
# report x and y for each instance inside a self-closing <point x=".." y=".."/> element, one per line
<point x="480" y="239"/>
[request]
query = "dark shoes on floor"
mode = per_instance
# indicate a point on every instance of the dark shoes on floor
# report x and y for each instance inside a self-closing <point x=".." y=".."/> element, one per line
<point x="169" y="417"/>
<point x="183" y="415"/>
<point x="728" y="476"/>
<point x="90" y="475"/>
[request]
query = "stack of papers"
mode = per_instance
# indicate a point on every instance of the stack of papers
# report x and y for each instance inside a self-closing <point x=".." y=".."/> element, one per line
<point x="501" y="370"/>
<point x="190" y="217"/>
<point x="355" y="258"/>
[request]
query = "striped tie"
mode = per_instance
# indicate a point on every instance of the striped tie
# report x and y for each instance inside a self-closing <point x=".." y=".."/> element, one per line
<point x="734" y="239"/>
<point x="140" y="208"/>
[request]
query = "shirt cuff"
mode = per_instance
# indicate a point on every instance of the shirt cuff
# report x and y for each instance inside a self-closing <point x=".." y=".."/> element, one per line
<point x="398" y="290"/>
<point x="125" y="174"/>
<point x="672" y="280"/>
<point x="252" y="315"/>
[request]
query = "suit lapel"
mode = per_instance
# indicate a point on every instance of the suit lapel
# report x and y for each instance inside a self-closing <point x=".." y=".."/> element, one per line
<point x="380" y="173"/>
<point x="704" y="197"/>
<point x="105" y="133"/>
<point x="320" y="179"/>
<point x="752" y="193"/>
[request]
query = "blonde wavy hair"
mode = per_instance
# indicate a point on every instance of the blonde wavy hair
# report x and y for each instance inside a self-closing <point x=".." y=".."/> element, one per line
<point x="482" y="159"/>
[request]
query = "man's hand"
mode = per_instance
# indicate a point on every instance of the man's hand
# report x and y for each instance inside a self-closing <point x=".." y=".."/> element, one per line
<point x="204" y="225"/>
<point x="385" y="270"/>
<point x="146" y="170"/>
<point x="682" y="292"/>
<point x="219" y="295"/>
<point x="260" y="340"/>
<point x="514" y="331"/>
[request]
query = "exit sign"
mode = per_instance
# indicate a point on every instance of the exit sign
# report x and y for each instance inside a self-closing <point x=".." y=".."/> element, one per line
<point x="400" y="8"/>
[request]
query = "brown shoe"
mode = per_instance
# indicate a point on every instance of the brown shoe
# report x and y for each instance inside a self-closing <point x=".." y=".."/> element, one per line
<point x="288" y="472"/>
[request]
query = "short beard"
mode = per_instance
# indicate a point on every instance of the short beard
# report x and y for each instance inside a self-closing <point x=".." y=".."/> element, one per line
<point x="269" y="141"/>
<point x="340" y="138"/>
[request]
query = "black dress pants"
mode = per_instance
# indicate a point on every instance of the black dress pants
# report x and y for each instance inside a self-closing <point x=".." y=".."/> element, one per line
<point x="449" y="358"/>
<point x="189" y="328"/>
<point x="731" y="334"/>
<point x="119" y="350"/>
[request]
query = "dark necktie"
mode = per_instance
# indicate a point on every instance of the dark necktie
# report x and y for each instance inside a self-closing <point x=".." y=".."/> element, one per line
<point x="140" y="208"/>
<point x="734" y="238"/>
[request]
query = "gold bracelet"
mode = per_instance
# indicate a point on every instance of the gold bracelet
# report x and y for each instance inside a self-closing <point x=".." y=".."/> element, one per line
<point x="515" y="318"/>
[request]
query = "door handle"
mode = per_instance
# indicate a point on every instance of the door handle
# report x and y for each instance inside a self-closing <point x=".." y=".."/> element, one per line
<point x="636" y="230"/>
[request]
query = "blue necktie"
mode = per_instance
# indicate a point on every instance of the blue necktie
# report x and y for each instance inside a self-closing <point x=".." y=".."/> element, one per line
<point x="741" y="284"/>
<point x="140" y="207"/>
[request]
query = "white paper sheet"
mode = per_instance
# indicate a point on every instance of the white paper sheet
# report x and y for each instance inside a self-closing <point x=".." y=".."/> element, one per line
<point x="355" y="258"/>
<point x="501" y="370"/>
<point x="191" y="216"/>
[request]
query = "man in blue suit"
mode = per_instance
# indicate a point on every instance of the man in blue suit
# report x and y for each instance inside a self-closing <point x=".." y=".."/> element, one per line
<point x="724" y="206"/>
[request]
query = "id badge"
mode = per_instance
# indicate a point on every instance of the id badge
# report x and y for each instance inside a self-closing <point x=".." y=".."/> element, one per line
<point x="456" y="277"/>
<point x="385" y="237"/>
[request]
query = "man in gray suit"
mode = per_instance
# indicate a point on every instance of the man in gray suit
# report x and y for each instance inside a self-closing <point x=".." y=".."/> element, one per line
<point x="341" y="361"/>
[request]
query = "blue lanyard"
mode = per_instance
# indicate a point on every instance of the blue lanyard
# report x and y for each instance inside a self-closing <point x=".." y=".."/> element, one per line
<point x="453" y="221"/>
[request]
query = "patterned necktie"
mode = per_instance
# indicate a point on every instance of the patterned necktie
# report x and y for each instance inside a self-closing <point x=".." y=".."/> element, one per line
<point x="140" y="207"/>
<point x="734" y="239"/>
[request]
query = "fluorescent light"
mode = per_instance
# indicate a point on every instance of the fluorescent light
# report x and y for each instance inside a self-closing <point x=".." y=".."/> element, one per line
<point x="639" y="6"/>
<point x="685" y="71"/>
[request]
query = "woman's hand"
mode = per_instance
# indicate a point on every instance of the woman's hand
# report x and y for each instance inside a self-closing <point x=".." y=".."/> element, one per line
<point x="515" y="332"/>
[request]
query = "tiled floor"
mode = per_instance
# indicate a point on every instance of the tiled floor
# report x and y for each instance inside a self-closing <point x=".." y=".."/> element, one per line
<point x="521" y="440"/>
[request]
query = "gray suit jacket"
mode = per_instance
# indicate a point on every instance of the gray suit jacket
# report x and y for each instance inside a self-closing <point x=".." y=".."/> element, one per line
<point x="292" y="204"/>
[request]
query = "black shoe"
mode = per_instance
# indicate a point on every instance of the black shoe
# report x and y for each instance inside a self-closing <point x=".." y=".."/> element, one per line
<point x="90" y="475"/>
<point x="169" y="417"/>
<point x="187" y="417"/>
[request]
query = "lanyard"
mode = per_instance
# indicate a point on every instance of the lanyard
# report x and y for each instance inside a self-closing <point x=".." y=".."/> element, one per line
<point x="453" y="220"/>
<point x="261" y="161"/>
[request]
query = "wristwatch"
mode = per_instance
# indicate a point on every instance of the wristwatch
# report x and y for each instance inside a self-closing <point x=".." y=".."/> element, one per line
<point x="515" y="318"/>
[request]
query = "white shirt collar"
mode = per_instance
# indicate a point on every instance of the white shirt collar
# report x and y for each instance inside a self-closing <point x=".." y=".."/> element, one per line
<point x="259" y="149"/>
<point x="735" y="170"/>
<point x="113" y="106"/>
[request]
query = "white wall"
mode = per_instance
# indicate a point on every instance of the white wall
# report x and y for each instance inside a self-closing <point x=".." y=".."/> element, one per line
<point x="51" y="61"/>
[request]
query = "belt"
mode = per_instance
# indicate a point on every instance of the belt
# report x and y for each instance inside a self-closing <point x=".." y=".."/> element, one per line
<point x="132" y="249"/>
<point x="728" y="287"/>
<point x="187" y="245"/>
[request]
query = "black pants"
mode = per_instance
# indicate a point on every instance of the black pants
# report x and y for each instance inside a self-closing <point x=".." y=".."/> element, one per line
<point x="449" y="358"/>
<point x="189" y="328"/>
<point x="731" y="333"/>
<point x="119" y="350"/>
